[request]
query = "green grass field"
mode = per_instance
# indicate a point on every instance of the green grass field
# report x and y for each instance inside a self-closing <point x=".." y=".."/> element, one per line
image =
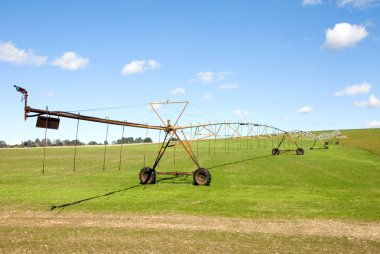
<point x="248" y="183"/>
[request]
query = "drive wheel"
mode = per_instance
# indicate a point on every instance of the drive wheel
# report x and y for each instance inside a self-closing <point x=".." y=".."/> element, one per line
<point x="300" y="151"/>
<point x="202" y="176"/>
<point x="275" y="151"/>
<point x="147" y="176"/>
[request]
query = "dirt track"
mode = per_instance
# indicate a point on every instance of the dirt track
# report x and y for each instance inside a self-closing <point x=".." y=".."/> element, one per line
<point x="358" y="230"/>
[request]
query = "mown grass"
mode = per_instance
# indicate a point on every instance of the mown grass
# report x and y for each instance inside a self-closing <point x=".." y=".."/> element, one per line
<point x="247" y="181"/>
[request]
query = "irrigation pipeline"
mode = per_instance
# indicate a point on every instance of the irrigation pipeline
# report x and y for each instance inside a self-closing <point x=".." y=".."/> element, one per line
<point x="231" y="123"/>
<point x="28" y="110"/>
<point x="202" y="131"/>
<point x="39" y="112"/>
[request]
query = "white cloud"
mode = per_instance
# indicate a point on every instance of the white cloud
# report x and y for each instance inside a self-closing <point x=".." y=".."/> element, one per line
<point x="207" y="96"/>
<point x="152" y="64"/>
<point x="178" y="90"/>
<point x="11" y="54"/>
<point x="71" y="61"/>
<point x="306" y="109"/>
<point x="311" y="2"/>
<point x="210" y="77"/>
<point x="240" y="113"/>
<point x="372" y="124"/>
<point x="139" y="66"/>
<point x="228" y="86"/>
<point x="372" y="102"/>
<point x="362" y="88"/>
<point x="360" y="4"/>
<point x="344" y="35"/>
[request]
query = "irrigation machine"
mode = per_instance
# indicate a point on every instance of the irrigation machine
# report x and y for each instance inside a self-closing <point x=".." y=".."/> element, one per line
<point x="173" y="132"/>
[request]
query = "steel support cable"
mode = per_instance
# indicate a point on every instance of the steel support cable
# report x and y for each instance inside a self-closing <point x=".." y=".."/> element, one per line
<point x="198" y="143"/>
<point x="209" y="144"/>
<point x="225" y="138"/>
<point x="240" y="136"/>
<point x="75" y="147"/>
<point x="46" y="127"/>
<point x="121" y="147"/>
<point x="216" y="133"/>
<point x="204" y="111"/>
<point x="228" y="140"/>
<point x="105" y="148"/>
<point x="247" y="137"/>
<point x="145" y="141"/>
<point x="108" y="108"/>
<point x="174" y="151"/>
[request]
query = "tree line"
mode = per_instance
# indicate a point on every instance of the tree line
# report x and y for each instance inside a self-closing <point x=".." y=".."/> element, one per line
<point x="57" y="142"/>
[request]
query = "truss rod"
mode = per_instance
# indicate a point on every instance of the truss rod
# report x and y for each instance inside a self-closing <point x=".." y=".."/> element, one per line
<point x="29" y="110"/>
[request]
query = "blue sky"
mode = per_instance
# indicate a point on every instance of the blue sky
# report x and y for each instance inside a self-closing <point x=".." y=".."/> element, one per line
<point x="308" y="65"/>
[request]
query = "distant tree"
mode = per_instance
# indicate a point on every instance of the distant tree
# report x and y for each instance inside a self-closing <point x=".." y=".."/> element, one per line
<point x="125" y="140"/>
<point x="57" y="142"/>
<point x="76" y="142"/>
<point x="120" y="141"/>
<point x="42" y="143"/>
<point x="91" y="143"/>
<point x="131" y="140"/>
<point x="66" y="142"/>
<point x="38" y="143"/>
<point x="30" y="143"/>
<point x="148" y="140"/>
<point x="3" y="144"/>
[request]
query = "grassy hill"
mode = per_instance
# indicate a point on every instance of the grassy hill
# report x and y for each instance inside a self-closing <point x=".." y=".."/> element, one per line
<point x="367" y="139"/>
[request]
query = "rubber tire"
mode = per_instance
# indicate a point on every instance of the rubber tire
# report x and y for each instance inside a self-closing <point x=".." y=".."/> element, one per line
<point x="275" y="151"/>
<point x="300" y="151"/>
<point x="202" y="176"/>
<point x="147" y="176"/>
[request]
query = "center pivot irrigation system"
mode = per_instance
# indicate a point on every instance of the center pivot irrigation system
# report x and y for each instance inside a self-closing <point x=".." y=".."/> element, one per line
<point x="175" y="133"/>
